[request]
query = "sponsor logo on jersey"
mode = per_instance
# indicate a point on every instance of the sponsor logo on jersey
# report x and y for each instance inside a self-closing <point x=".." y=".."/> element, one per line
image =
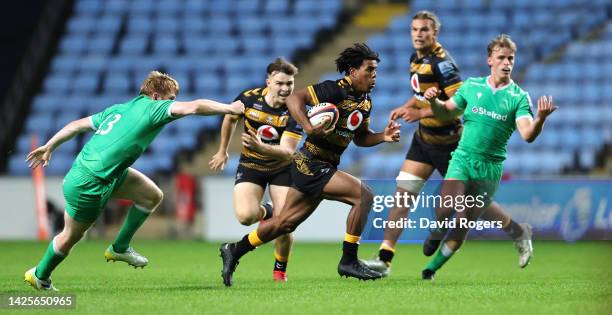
<point x="257" y="106"/>
<point x="482" y="111"/>
<point x="267" y="132"/>
<point x="254" y="114"/>
<point x="414" y="82"/>
<point x="354" y="120"/>
<point x="447" y="68"/>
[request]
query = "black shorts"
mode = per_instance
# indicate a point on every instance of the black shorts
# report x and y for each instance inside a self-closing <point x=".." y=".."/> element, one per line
<point x="436" y="155"/>
<point x="310" y="176"/>
<point x="280" y="177"/>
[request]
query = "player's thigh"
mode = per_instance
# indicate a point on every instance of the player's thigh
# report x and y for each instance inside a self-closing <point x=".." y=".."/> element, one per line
<point x="278" y="195"/>
<point x="298" y="207"/>
<point x="247" y="197"/>
<point x="416" y="168"/>
<point x="346" y="188"/>
<point x="85" y="195"/>
<point x="139" y="188"/>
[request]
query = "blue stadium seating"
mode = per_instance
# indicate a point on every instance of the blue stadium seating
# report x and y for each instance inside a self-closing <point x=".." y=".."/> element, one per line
<point x="215" y="48"/>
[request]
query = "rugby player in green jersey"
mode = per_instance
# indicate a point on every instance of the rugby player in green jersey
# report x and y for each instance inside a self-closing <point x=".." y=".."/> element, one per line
<point x="492" y="108"/>
<point x="102" y="169"/>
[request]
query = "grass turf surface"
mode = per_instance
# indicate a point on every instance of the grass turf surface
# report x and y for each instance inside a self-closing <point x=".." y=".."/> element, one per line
<point x="184" y="277"/>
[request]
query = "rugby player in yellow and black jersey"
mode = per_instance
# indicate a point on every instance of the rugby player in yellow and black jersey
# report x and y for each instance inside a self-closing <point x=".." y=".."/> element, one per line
<point x="313" y="169"/>
<point x="269" y="140"/>
<point x="434" y="140"/>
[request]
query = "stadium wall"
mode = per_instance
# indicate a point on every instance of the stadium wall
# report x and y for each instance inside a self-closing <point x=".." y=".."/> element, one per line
<point x="558" y="209"/>
<point x="17" y="210"/>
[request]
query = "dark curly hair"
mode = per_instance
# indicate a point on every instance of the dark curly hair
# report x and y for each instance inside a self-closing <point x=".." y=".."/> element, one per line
<point x="353" y="57"/>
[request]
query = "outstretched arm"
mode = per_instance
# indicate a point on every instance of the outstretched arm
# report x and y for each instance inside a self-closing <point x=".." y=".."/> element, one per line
<point x="205" y="107"/>
<point x="368" y="138"/>
<point x="530" y="128"/>
<point x="442" y="110"/>
<point x="42" y="154"/>
<point x="410" y="112"/>
<point x="217" y="163"/>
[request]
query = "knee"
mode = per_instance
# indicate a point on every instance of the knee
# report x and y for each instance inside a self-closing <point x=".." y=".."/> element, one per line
<point x="152" y="200"/>
<point x="246" y="217"/>
<point x="367" y="196"/>
<point x="66" y="240"/>
<point x="287" y="226"/>
<point x="157" y="198"/>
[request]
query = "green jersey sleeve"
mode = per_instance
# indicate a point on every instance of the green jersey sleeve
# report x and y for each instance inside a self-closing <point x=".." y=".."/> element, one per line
<point x="97" y="119"/>
<point x="460" y="98"/>
<point x="160" y="112"/>
<point x="524" y="107"/>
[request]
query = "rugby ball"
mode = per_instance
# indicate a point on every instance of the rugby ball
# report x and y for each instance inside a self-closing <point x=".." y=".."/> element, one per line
<point x="324" y="113"/>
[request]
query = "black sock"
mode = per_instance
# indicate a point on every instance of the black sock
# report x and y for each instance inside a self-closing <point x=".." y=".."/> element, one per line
<point x="269" y="211"/>
<point x="349" y="252"/>
<point x="242" y="247"/>
<point x="385" y="255"/>
<point x="280" y="265"/>
<point x="513" y="230"/>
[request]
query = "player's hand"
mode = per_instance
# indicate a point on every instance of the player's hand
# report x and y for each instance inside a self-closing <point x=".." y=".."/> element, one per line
<point x="251" y="140"/>
<point x="411" y="114"/>
<point x="397" y="113"/>
<point x="42" y="155"/>
<point x="236" y="108"/>
<point x="431" y="93"/>
<point x="218" y="161"/>
<point x="545" y="106"/>
<point x="319" y="130"/>
<point x="392" y="132"/>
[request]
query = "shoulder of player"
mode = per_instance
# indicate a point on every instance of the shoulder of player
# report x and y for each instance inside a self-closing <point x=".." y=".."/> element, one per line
<point x="516" y="91"/>
<point x="250" y="96"/>
<point x="253" y="92"/>
<point x="440" y="53"/>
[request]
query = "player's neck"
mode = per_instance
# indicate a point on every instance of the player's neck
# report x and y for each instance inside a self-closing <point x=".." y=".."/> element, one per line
<point x="498" y="82"/>
<point x="270" y="101"/>
<point x="425" y="51"/>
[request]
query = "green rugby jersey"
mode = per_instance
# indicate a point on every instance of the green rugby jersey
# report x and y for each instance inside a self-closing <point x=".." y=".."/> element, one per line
<point x="122" y="133"/>
<point x="490" y="116"/>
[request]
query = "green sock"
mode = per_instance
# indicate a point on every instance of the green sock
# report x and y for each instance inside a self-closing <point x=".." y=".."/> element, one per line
<point x="50" y="260"/>
<point x="133" y="220"/>
<point x="441" y="257"/>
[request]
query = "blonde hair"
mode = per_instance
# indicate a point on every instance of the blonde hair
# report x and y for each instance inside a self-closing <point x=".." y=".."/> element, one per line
<point x="501" y="41"/>
<point x="428" y="15"/>
<point x="161" y="83"/>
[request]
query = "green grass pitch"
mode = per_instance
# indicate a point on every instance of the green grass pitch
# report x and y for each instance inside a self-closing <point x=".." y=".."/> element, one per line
<point x="184" y="278"/>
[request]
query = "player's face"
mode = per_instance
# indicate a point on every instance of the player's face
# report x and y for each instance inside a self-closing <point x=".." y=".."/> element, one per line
<point x="423" y="34"/>
<point x="501" y="62"/>
<point x="280" y="86"/>
<point x="364" y="78"/>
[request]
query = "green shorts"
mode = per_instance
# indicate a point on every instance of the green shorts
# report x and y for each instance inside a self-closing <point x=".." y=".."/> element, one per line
<point x="480" y="176"/>
<point x="86" y="195"/>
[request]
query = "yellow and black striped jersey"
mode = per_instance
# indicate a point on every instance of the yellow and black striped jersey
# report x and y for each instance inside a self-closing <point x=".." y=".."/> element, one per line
<point x="437" y="69"/>
<point x="271" y="124"/>
<point x="354" y="109"/>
